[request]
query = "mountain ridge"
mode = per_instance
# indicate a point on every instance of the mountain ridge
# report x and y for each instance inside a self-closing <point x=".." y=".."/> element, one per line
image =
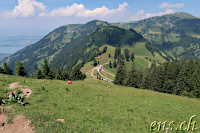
<point x="66" y="44"/>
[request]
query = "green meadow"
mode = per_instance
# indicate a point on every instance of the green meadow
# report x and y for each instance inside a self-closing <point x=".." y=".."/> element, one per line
<point x="98" y="106"/>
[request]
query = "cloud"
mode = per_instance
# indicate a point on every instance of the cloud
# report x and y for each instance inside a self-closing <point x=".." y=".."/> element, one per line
<point x="27" y="8"/>
<point x="79" y="10"/>
<point x="167" y="5"/>
<point x="140" y="14"/>
<point x="167" y="11"/>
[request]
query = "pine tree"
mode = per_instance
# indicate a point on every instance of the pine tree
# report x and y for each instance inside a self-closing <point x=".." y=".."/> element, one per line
<point x="76" y="74"/>
<point x="120" y="75"/>
<point x="1" y="69"/>
<point x="132" y="56"/>
<point x="122" y="59"/>
<point x="158" y="79"/>
<point x="58" y="73"/>
<point x="114" y="63"/>
<point x="38" y="74"/>
<point x="126" y="53"/>
<point x="109" y="55"/>
<point x="110" y="64"/>
<point x="46" y="70"/>
<point x="147" y="77"/>
<point x="117" y="52"/>
<point x="6" y="69"/>
<point x="104" y="49"/>
<point x="95" y="62"/>
<point x="19" y="69"/>
<point x="132" y="77"/>
<point x="64" y="75"/>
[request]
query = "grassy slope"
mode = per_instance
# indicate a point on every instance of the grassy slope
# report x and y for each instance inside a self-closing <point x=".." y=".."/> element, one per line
<point x="104" y="58"/>
<point x="139" y="49"/>
<point x="141" y="64"/>
<point x="156" y="58"/>
<point x="140" y="52"/>
<point x="98" y="106"/>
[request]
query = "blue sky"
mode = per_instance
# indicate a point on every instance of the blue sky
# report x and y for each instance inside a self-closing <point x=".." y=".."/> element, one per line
<point x="38" y="17"/>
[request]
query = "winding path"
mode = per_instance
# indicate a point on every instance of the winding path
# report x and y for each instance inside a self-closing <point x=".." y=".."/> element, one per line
<point x="99" y="68"/>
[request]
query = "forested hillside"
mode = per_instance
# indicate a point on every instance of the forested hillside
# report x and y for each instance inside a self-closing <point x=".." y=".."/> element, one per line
<point x="169" y="36"/>
<point x="75" y="44"/>
<point x="176" y="34"/>
<point x="63" y="41"/>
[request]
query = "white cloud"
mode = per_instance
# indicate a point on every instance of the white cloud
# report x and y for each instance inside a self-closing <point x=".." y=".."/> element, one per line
<point x="167" y="11"/>
<point x="140" y="14"/>
<point x="167" y="5"/>
<point x="80" y="11"/>
<point x="27" y="8"/>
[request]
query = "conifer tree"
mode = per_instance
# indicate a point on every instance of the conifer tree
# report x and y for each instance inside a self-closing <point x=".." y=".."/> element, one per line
<point x="109" y="55"/>
<point x="58" y="73"/>
<point x="19" y="69"/>
<point x="158" y="79"/>
<point x="114" y="63"/>
<point x="117" y="52"/>
<point x="46" y="70"/>
<point x="132" y="77"/>
<point x="126" y="54"/>
<point x="132" y="56"/>
<point x="122" y="59"/>
<point x="104" y="49"/>
<point x="76" y="74"/>
<point x="38" y="74"/>
<point x="64" y="75"/>
<point x="147" y="77"/>
<point x="95" y="62"/>
<point x="6" y="69"/>
<point x="1" y="69"/>
<point x="110" y="64"/>
<point x="120" y="75"/>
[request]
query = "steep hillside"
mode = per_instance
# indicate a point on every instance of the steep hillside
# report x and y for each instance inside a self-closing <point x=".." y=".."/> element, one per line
<point x="2" y="56"/>
<point x="63" y="41"/>
<point x="69" y="45"/>
<point x="171" y="33"/>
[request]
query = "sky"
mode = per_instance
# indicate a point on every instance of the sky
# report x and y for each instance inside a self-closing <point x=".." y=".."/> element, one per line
<point x="39" y="17"/>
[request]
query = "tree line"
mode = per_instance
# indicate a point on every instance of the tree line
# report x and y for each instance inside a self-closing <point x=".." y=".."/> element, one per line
<point x="45" y="72"/>
<point x="170" y="77"/>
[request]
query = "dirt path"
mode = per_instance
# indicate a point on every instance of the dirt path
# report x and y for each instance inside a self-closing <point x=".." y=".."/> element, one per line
<point x="146" y="59"/>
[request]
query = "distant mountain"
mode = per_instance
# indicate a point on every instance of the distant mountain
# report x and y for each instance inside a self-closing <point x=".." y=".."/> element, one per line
<point x="68" y="45"/>
<point x="2" y="56"/>
<point x="175" y="34"/>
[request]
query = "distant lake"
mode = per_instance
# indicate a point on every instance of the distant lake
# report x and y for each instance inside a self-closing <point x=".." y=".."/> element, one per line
<point x="10" y="49"/>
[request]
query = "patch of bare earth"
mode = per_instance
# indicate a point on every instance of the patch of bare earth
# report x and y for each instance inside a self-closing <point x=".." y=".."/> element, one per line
<point x="19" y="124"/>
<point x="25" y="89"/>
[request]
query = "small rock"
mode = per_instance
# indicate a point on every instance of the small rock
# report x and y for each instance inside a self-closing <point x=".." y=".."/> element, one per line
<point x="61" y="120"/>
